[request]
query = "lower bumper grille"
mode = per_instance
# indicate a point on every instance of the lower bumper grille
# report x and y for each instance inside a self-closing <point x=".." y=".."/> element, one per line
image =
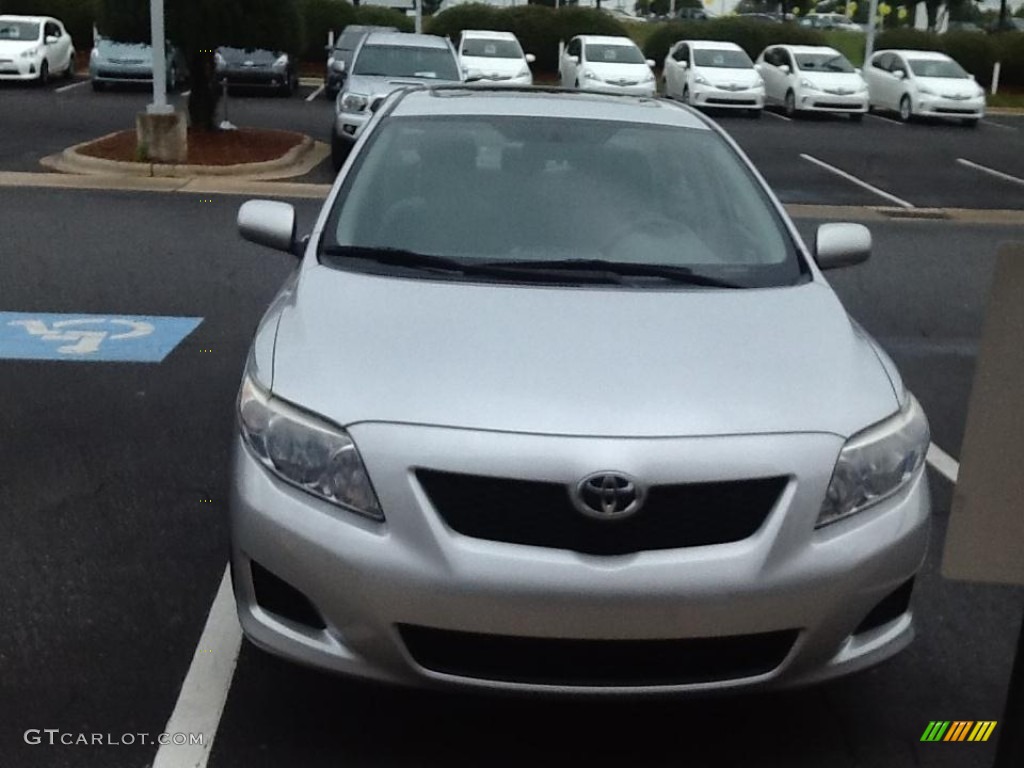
<point x="557" y="661"/>
<point x="542" y="514"/>
<point x="716" y="100"/>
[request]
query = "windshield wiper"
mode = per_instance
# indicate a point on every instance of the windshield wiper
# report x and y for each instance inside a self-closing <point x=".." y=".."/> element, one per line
<point x="681" y="275"/>
<point x="398" y="257"/>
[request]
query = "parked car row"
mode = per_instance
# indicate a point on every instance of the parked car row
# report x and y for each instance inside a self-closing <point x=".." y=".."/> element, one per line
<point x="801" y="79"/>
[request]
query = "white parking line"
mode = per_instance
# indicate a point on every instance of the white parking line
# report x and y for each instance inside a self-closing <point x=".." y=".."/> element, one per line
<point x="79" y="84"/>
<point x="994" y="124"/>
<point x="315" y="93"/>
<point x="850" y="177"/>
<point x="205" y="690"/>
<point x="990" y="171"/>
<point x="886" y="119"/>
<point x="776" y="114"/>
<point x="945" y="464"/>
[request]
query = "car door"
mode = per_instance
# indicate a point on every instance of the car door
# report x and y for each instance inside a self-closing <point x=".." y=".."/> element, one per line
<point x="670" y="70"/>
<point x="772" y="75"/>
<point x="676" y="72"/>
<point x="900" y="84"/>
<point x="573" y="62"/>
<point x="788" y="74"/>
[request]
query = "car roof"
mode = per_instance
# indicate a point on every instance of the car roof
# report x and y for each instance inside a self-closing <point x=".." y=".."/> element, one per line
<point x="488" y="33"/>
<point x="16" y="17"/>
<point x="806" y="48"/>
<point x="716" y="44"/>
<point x="607" y="39"/>
<point x="938" y="55"/>
<point x="545" y="102"/>
<point x="405" y="39"/>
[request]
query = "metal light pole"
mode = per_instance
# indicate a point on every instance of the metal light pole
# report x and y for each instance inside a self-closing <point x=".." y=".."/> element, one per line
<point x="156" y="28"/>
<point x="419" y="16"/>
<point x="869" y="44"/>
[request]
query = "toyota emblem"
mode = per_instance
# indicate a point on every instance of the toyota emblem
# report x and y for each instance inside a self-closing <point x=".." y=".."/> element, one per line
<point x="608" y="496"/>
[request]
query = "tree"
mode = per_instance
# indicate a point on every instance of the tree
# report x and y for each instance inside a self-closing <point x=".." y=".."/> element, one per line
<point x="199" y="27"/>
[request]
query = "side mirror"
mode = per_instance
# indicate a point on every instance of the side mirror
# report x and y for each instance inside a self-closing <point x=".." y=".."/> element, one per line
<point x="784" y="69"/>
<point x="684" y="64"/>
<point x="650" y="63"/>
<point x="574" y="59"/>
<point x="51" y="39"/>
<point x="269" y="223"/>
<point x="857" y="70"/>
<point x="899" y="74"/>
<point x="842" y="245"/>
<point x="338" y="65"/>
<point x="530" y="58"/>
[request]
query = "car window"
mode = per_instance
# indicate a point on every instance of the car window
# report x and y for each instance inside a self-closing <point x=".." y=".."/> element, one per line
<point x="491" y="49"/>
<point x="521" y="188"/>
<point x="406" y="61"/>
<point x="602" y="53"/>
<point x="719" y="57"/>
<point x="574" y="47"/>
<point x="823" y="62"/>
<point x="937" y="68"/>
<point x="19" y="30"/>
<point x="882" y="61"/>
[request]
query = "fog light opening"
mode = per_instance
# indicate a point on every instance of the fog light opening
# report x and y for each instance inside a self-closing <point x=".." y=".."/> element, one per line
<point x="276" y="596"/>
<point x="890" y="608"/>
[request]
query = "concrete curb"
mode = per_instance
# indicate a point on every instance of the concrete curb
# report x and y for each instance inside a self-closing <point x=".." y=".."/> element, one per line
<point x="297" y="161"/>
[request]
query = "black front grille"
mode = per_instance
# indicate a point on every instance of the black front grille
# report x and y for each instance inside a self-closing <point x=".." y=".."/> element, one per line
<point x="716" y="100"/>
<point x="124" y="74"/>
<point x="837" y="105"/>
<point x="542" y="514"/>
<point x="560" y="661"/>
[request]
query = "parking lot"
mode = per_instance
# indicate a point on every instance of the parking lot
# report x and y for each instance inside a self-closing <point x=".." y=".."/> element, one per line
<point x="113" y="476"/>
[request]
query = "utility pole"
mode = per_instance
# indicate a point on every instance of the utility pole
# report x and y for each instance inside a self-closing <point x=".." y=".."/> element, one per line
<point x="156" y="29"/>
<point x="869" y="44"/>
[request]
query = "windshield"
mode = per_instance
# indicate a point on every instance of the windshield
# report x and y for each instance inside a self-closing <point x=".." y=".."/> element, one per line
<point x="124" y="50"/>
<point x="722" y="58"/>
<point x="937" y="68"/>
<point x="492" y="49"/>
<point x="522" y="189"/>
<point x="613" y="54"/>
<point x="823" y="62"/>
<point x="406" y="61"/>
<point x="19" y="30"/>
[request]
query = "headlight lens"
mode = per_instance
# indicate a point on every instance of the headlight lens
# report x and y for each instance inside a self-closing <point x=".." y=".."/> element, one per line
<point x="524" y="72"/>
<point x="354" y="102"/>
<point x="648" y="78"/>
<point x="31" y="53"/>
<point x="305" y="452"/>
<point x="759" y="83"/>
<point x="925" y="90"/>
<point x="282" y="61"/>
<point x="876" y="463"/>
<point x="588" y="75"/>
<point x="805" y="83"/>
<point x="700" y="80"/>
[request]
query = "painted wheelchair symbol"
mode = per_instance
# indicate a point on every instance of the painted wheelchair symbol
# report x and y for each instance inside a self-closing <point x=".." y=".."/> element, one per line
<point x="85" y="342"/>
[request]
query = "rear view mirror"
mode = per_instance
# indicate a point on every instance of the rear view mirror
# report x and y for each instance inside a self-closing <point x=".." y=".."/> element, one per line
<point x="269" y="223"/>
<point x="842" y="245"/>
<point x="530" y="58"/>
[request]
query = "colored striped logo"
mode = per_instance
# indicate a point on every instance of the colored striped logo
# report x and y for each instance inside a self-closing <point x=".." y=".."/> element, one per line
<point x="958" y="730"/>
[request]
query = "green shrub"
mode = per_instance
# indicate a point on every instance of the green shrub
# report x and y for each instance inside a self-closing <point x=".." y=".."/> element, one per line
<point x="77" y="15"/>
<point x="850" y="44"/>
<point x="1009" y="49"/>
<point x="752" y="36"/>
<point x="321" y="17"/>
<point x="383" y="17"/>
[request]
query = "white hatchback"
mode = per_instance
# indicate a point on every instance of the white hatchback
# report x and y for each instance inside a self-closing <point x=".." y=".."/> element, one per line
<point x="812" y="78"/>
<point x="34" y="48"/>
<point x="710" y="73"/>
<point x="494" y="58"/>
<point x="609" y="64"/>
<point x="925" y="83"/>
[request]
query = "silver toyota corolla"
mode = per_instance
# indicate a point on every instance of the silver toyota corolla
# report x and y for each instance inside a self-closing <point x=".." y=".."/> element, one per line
<point x="557" y="399"/>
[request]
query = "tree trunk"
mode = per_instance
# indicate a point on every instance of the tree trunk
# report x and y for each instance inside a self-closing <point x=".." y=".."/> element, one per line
<point x="933" y="14"/>
<point x="202" y="101"/>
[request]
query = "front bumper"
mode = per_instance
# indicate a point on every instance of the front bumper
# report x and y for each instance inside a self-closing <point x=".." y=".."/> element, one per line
<point x="270" y="80"/>
<point x="367" y="579"/>
<point x="348" y="125"/>
<point x="637" y="89"/>
<point x="20" y="69"/>
<point x="721" y="98"/>
<point x="820" y="101"/>
<point x="937" y="106"/>
<point x="121" y="75"/>
<point x="524" y="80"/>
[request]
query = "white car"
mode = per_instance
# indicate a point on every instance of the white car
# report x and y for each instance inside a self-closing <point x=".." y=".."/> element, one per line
<point x="709" y="73"/>
<point x="925" y="83"/>
<point x="494" y="57"/>
<point x="34" y="48"/>
<point x="812" y="78"/>
<point x="608" y="64"/>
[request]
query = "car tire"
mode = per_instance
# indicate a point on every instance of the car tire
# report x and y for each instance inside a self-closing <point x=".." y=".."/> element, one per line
<point x="906" y="109"/>
<point x="970" y="122"/>
<point x="789" y="105"/>
<point x="754" y="114"/>
<point x="44" y="73"/>
<point x="857" y="117"/>
<point x="70" y="71"/>
<point x="339" y="153"/>
<point x="685" y="97"/>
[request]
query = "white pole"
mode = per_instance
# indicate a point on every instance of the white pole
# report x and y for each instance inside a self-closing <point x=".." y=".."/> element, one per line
<point x="869" y="44"/>
<point x="419" y="16"/>
<point x="156" y="28"/>
<point x="995" y="76"/>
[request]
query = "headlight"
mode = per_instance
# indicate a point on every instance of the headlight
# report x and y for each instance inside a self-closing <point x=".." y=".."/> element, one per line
<point x="588" y="75"/>
<point x="980" y="94"/>
<point x="648" y="78"/>
<point x="282" y="61"/>
<point x="524" y="72"/>
<point x="218" y="60"/>
<point x="701" y="80"/>
<point x="925" y="90"/>
<point x="305" y="452"/>
<point x="876" y="463"/>
<point x="354" y="102"/>
<point x="759" y="83"/>
<point x="31" y="53"/>
<point x="805" y="83"/>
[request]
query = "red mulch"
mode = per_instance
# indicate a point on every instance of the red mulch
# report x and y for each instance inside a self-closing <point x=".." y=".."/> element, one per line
<point x="246" y="145"/>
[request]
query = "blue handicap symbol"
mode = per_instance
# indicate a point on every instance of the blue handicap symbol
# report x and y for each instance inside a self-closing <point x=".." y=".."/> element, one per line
<point x="128" y="338"/>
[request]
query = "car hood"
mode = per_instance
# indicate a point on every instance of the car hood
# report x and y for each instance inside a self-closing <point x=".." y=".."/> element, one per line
<point x="490" y="67"/>
<point x="949" y="86"/>
<point x="849" y="81"/>
<point x="722" y="76"/>
<point x="373" y="85"/>
<point x="9" y="48"/>
<point x="587" y="361"/>
<point x="636" y="72"/>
